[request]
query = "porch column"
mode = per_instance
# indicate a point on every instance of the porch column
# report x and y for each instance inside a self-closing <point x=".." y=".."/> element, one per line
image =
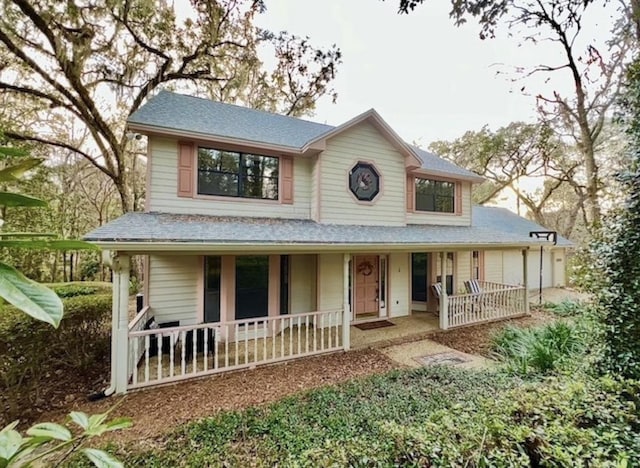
<point x="444" y="298"/>
<point x="346" y="309"/>
<point x="120" y="323"/>
<point x="525" y="269"/>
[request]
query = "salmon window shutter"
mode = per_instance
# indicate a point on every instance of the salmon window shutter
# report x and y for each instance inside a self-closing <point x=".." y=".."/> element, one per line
<point x="286" y="176"/>
<point x="186" y="161"/>
<point x="411" y="186"/>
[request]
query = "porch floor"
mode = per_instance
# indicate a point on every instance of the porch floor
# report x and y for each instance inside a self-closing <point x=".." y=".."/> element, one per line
<point x="418" y="324"/>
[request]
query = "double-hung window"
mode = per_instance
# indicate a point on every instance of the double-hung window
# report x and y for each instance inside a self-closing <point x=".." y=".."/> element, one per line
<point x="233" y="174"/>
<point x="435" y="195"/>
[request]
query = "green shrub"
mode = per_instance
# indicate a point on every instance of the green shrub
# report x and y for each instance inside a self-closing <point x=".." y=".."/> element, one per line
<point x="618" y="251"/>
<point x="81" y="344"/>
<point x="80" y="288"/>
<point x="538" y="350"/>
<point x="567" y="308"/>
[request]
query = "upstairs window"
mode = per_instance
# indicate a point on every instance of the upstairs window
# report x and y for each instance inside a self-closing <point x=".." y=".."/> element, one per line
<point x="435" y="195"/>
<point x="233" y="174"/>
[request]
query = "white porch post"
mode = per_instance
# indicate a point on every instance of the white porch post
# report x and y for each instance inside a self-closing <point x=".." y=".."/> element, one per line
<point x="120" y="323"/>
<point x="525" y="279"/>
<point x="346" y="310"/>
<point x="444" y="298"/>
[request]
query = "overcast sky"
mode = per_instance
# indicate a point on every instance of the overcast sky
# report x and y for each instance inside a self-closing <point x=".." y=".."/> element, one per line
<point x="428" y="79"/>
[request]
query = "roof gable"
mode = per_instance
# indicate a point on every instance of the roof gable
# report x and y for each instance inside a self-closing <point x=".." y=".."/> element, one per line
<point x="385" y="130"/>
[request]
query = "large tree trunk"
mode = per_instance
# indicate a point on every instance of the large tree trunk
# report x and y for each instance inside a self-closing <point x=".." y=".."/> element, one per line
<point x="591" y="172"/>
<point x="126" y="199"/>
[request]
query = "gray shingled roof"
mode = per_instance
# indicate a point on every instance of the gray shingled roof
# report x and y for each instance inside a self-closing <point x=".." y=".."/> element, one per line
<point x="434" y="162"/>
<point x="172" y="111"/>
<point x="163" y="227"/>
<point x="503" y="220"/>
<point x="192" y="114"/>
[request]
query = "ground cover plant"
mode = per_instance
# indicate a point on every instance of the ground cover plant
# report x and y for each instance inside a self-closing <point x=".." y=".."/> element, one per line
<point x="435" y="416"/>
<point x="540" y="350"/>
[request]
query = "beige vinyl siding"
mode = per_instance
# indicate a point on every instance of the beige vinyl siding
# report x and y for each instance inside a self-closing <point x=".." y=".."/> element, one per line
<point x="463" y="270"/>
<point x="173" y="284"/>
<point x="399" y="285"/>
<point x="330" y="283"/>
<point x="534" y="268"/>
<point x="446" y="219"/>
<point x="315" y="186"/>
<point x="493" y="266"/>
<point x="337" y="205"/>
<point x="302" y="270"/>
<point x="512" y="267"/>
<point x="163" y="190"/>
<point x="558" y="260"/>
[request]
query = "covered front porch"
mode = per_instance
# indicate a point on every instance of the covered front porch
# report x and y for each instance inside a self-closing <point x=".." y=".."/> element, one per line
<point x="149" y="351"/>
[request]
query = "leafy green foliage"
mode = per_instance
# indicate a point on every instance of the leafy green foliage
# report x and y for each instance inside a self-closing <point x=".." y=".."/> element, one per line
<point x="617" y="255"/>
<point x="79" y="345"/>
<point x="29" y="296"/>
<point x="80" y="288"/>
<point x="567" y="308"/>
<point x="48" y="441"/>
<point x="426" y="417"/>
<point x="286" y="431"/>
<point x="538" y="350"/>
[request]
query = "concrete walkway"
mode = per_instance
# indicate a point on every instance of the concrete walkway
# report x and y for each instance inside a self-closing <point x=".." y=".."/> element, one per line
<point x="412" y="354"/>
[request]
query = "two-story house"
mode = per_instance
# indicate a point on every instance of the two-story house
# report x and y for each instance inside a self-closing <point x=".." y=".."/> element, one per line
<point x="266" y="237"/>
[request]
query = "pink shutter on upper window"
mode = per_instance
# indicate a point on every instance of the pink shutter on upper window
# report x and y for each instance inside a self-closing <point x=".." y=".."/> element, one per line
<point x="458" y="198"/>
<point x="286" y="176"/>
<point x="185" y="169"/>
<point x="411" y="185"/>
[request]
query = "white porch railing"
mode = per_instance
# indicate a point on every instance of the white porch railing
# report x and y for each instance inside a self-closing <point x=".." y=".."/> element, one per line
<point x="496" y="301"/>
<point x="166" y="355"/>
<point x="137" y="324"/>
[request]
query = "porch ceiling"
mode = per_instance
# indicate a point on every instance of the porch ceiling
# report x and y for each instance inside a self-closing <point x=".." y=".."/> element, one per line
<point x="163" y="231"/>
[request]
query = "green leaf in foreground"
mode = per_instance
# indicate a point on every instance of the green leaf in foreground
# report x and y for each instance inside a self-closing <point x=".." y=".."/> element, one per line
<point x="51" y="430"/>
<point x="15" y="199"/>
<point x="34" y="299"/>
<point x="13" y="173"/>
<point x="102" y="459"/>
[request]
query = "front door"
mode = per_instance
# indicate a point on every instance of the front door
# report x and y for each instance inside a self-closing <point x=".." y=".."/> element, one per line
<point x="367" y="286"/>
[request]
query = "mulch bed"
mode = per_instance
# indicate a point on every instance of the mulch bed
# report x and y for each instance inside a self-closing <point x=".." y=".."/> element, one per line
<point x="158" y="410"/>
